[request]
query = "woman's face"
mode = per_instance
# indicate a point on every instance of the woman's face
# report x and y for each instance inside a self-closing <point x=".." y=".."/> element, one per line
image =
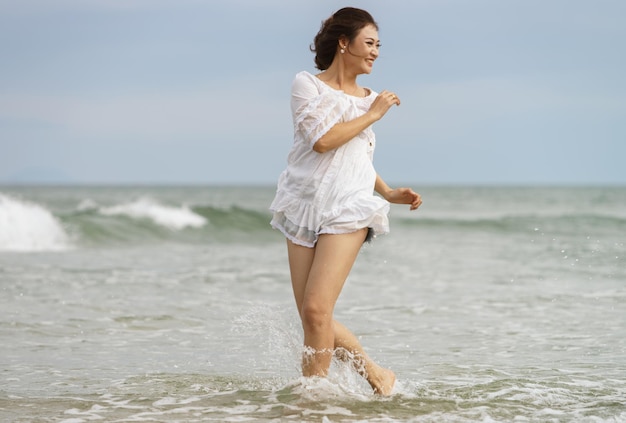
<point x="363" y="50"/>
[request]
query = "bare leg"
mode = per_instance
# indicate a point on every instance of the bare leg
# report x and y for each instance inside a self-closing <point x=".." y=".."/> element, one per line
<point x="332" y="262"/>
<point x="380" y="379"/>
<point x="317" y="275"/>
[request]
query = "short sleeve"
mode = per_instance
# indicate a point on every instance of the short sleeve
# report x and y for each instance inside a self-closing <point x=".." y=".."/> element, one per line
<point x="303" y="89"/>
<point x="315" y="111"/>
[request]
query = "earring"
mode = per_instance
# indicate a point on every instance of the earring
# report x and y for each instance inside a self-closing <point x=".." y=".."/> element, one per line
<point x="342" y="50"/>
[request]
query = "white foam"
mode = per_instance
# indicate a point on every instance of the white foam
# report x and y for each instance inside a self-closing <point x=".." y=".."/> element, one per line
<point x="87" y="205"/>
<point x="26" y="226"/>
<point x="146" y="208"/>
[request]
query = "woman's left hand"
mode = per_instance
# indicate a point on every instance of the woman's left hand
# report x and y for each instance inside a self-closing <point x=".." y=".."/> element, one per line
<point x="405" y="196"/>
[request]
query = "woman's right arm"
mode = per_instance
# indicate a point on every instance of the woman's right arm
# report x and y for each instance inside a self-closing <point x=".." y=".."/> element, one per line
<point x="343" y="132"/>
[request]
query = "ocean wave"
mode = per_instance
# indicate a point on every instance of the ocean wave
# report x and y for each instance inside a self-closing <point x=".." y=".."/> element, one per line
<point x="27" y="226"/>
<point x="145" y="221"/>
<point x="572" y="222"/>
<point x="174" y="218"/>
<point x="455" y="397"/>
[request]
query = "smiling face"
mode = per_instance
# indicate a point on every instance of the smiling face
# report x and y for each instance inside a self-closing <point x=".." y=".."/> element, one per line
<point x="362" y="51"/>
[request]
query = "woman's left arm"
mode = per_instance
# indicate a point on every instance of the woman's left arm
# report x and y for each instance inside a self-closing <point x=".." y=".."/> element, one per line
<point x="397" y="195"/>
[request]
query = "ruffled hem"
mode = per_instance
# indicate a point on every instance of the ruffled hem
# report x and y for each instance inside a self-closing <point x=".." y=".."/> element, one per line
<point x="302" y="224"/>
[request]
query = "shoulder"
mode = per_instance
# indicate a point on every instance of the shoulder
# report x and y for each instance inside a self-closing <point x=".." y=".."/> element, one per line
<point x="306" y="86"/>
<point x="305" y="78"/>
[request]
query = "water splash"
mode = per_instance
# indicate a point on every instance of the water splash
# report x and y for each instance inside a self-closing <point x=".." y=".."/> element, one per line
<point x="277" y="336"/>
<point x="26" y="226"/>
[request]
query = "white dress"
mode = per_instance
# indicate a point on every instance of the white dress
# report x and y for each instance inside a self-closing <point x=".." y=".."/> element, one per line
<point x="331" y="192"/>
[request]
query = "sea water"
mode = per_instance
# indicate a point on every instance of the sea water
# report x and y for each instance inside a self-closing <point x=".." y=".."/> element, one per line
<point x="174" y="304"/>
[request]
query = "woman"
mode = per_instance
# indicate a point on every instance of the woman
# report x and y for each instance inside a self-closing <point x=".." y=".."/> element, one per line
<point x="325" y="204"/>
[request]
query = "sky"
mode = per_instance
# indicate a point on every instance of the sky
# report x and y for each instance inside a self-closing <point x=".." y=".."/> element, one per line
<point x="197" y="92"/>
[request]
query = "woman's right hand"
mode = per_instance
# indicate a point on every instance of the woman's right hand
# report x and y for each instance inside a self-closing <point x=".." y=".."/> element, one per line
<point x="383" y="103"/>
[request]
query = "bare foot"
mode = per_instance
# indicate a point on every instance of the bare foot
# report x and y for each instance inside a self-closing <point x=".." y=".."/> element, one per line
<point x="382" y="381"/>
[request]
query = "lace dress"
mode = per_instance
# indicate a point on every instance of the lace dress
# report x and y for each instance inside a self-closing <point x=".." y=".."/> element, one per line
<point x="331" y="192"/>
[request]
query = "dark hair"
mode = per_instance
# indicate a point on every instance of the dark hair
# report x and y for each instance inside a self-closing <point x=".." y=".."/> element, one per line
<point x="346" y="22"/>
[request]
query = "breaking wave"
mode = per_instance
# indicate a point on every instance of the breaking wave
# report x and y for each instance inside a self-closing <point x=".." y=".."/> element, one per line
<point x="26" y="226"/>
<point x="174" y="218"/>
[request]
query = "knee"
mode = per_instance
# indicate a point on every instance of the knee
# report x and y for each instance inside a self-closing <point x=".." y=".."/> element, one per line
<point x="315" y="318"/>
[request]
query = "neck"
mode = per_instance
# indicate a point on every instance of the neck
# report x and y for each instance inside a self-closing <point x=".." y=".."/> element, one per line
<point x="338" y="76"/>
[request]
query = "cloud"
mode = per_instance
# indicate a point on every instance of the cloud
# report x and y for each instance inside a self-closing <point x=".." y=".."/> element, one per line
<point x="39" y="6"/>
<point x="217" y="110"/>
<point x="209" y="81"/>
<point x="451" y="109"/>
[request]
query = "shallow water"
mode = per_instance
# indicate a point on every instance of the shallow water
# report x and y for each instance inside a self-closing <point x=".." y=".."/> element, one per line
<point x="490" y="304"/>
